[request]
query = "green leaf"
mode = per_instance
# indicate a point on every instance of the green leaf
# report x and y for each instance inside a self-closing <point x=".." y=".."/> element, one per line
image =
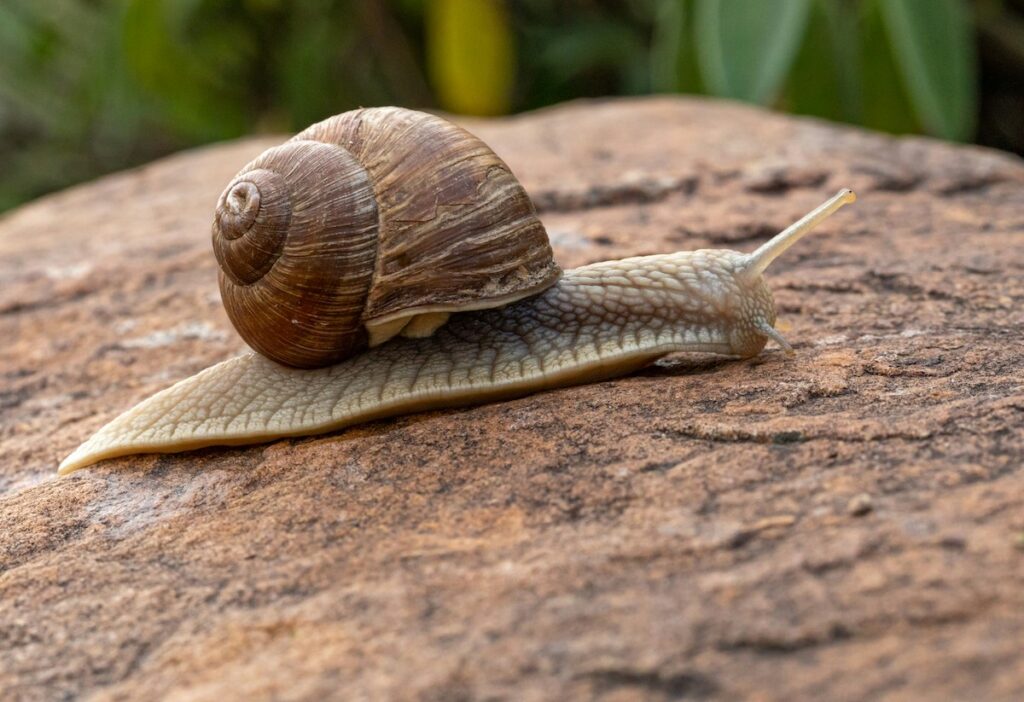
<point x="933" y="44"/>
<point x="592" y="45"/>
<point x="666" y="44"/>
<point x="812" y="87"/>
<point x="825" y="78"/>
<point x="303" y="60"/>
<point x="471" y="55"/>
<point x="746" y="47"/>
<point x="673" y="61"/>
<point x="886" y="106"/>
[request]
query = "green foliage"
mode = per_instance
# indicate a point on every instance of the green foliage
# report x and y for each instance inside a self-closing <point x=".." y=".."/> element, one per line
<point x="189" y="74"/>
<point x="825" y="78"/>
<point x="746" y="47"/>
<point x="933" y="45"/>
<point x="885" y="104"/>
<point x="89" y="86"/>
<point x="895" y="65"/>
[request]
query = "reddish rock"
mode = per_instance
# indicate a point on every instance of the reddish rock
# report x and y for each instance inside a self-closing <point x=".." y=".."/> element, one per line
<point x="844" y="524"/>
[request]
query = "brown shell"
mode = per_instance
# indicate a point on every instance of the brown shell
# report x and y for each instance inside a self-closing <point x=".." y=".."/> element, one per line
<point x="362" y="222"/>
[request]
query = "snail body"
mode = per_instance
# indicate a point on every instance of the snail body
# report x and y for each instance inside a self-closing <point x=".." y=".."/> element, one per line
<point x="595" y="322"/>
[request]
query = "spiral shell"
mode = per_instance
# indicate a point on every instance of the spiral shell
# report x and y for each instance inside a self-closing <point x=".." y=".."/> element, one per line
<point x="369" y="223"/>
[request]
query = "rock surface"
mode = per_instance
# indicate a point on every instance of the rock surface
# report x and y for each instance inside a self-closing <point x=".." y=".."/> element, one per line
<point x="844" y="524"/>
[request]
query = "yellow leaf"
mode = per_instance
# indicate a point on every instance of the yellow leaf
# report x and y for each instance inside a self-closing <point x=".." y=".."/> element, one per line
<point x="471" y="55"/>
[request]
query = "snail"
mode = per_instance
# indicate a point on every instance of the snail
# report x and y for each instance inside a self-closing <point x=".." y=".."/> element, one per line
<point x="449" y="294"/>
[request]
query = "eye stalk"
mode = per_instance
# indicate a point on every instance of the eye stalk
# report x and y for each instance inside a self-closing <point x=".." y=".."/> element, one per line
<point x="756" y="263"/>
<point x="772" y="249"/>
<point x="772" y="333"/>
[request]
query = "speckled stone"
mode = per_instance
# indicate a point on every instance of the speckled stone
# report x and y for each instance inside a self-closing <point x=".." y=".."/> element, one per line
<point x="683" y="532"/>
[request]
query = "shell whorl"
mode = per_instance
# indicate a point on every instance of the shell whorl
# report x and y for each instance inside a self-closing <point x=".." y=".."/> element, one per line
<point x="251" y="225"/>
<point x="296" y="238"/>
<point x="239" y="205"/>
<point x="458" y="231"/>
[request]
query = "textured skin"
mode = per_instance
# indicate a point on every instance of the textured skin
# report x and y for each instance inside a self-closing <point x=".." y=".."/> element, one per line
<point x="598" y="321"/>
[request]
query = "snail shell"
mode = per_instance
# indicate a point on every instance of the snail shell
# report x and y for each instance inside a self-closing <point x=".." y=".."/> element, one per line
<point x="369" y="224"/>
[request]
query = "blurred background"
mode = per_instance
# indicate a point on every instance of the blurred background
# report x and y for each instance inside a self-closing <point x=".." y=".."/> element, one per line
<point x="92" y="86"/>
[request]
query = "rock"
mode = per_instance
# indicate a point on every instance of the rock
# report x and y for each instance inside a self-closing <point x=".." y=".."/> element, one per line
<point x="860" y="505"/>
<point x="684" y="531"/>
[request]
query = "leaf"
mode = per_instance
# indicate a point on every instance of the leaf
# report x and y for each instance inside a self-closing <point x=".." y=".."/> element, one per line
<point x="812" y="87"/>
<point x="746" y="47"/>
<point x="470" y="51"/>
<point x="673" y="61"/>
<point x="886" y="105"/>
<point x="825" y="77"/>
<point x="933" y="44"/>
<point x="307" y="51"/>
<point x="666" y="44"/>
<point x="592" y="45"/>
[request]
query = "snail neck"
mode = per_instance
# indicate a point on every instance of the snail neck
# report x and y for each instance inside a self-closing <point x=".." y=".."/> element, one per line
<point x="702" y="301"/>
